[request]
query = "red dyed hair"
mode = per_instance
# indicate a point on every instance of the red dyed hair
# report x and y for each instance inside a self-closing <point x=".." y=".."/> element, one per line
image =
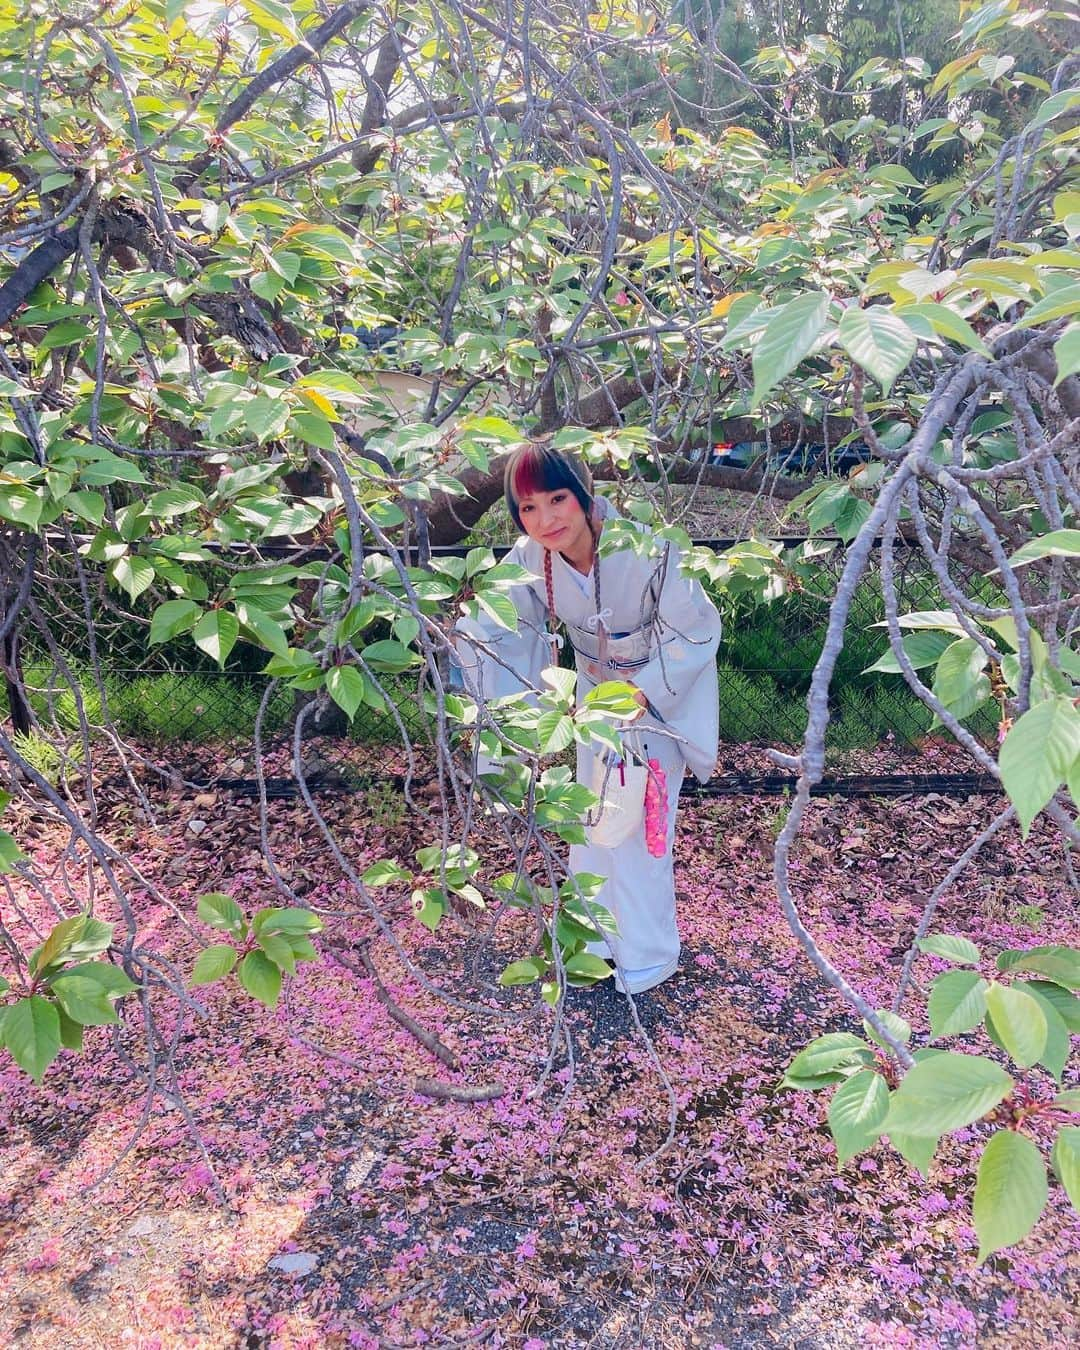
<point x="541" y="468"/>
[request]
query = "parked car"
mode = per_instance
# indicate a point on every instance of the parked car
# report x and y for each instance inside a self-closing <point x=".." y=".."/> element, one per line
<point x="382" y="338"/>
<point x="728" y="454"/>
<point x="809" y="458"/>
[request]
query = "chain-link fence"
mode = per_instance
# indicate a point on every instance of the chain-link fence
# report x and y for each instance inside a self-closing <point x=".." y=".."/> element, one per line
<point x="201" y="720"/>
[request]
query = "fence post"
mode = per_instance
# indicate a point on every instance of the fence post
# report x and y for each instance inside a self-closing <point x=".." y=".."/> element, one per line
<point x="18" y="705"/>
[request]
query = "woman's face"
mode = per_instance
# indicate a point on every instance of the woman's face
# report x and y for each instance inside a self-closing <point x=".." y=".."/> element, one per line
<point x="556" y="520"/>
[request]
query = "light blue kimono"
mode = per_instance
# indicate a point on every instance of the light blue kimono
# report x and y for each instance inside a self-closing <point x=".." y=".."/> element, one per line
<point x="664" y="632"/>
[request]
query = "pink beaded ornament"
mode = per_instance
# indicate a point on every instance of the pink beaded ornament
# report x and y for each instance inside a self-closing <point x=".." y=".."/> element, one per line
<point x="656" y="806"/>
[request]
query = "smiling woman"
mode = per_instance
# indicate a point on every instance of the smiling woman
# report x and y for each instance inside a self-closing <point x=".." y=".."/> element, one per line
<point x="631" y="616"/>
<point x="549" y="496"/>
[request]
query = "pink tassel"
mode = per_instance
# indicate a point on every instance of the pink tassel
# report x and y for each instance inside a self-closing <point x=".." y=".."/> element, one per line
<point x="656" y="807"/>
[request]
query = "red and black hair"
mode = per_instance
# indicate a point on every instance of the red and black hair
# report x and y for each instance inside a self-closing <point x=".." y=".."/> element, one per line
<point x="541" y="468"/>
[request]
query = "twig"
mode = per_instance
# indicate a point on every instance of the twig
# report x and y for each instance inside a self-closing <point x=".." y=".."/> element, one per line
<point x="427" y="1039"/>
<point x="454" y="1092"/>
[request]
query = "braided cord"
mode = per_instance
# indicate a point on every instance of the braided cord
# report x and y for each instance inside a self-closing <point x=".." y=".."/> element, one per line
<point x="552" y="616"/>
<point x="601" y="626"/>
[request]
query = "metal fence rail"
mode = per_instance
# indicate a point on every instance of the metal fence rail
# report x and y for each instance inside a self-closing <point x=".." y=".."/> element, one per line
<point x="175" y="699"/>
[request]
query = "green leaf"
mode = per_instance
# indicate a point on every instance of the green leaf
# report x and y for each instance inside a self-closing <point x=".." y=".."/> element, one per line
<point x="958" y="951"/>
<point x="837" y="1054"/>
<point x="171" y="618"/>
<point x="429" y="906"/>
<point x="71" y="1032"/>
<point x="916" y="1149"/>
<point x="555" y="731"/>
<point x="31" y="1031"/>
<point x="1065" y="1160"/>
<point x="944" y="619"/>
<point x="94" y="938"/>
<point x="222" y="912"/>
<point x="1055" y="1053"/>
<point x="174" y="501"/>
<point x="314" y="429"/>
<point x="261" y="978"/>
<point x="957" y="1003"/>
<point x="385" y="873"/>
<point x="106" y="976"/>
<point x="1069" y="1100"/>
<point x="345" y="686"/>
<point x="302" y="947"/>
<point x="1037" y="754"/>
<point x="132" y="574"/>
<point x="1067" y="353"/>
<point x="10" y="853"/>
<point x="64" y="334"/>
<point x="84" y="1000"/>
<point x="523" y="972"/>
<point x="278" y="950"/>
<point x="1019" y="1021"/>
<point x="213" y="963"/>
<point x="106" y="468"/>
<point x="286" y="921"/>
<point x="857" y="1113"/>
<point x="258" y="624"/>
<point x="1056" y="544"/>
<point x="879" y="340"/>
<point x="1056" y="963"/>
<point x="584" y="968"/>
<point x="562" y="681"/>
<point x="58" y="944"/>
<point x="324" y="239"/>
<point x="362" y="614"/>
<point x="570" y="929"/>
<point x="499" y="607"/>
<point x="267" y="285"/>
<point x="478" y="560"/>
<point x="89" y="506"/>
<point x="852" y="516"/>
<point x="922" y="649"/>
<point x="960" y="680"/>
<point x="216" y="634"/>
<point x="790" y="334"/>
<point x="945" y="1093"/>
<point x="1010" y="1191"/>
<point x="1065" y="1004"/>
<point x="947" y="323"/>
<point x="613" y="698"/>
<point x="1065" y="301"/>
<point x="390" y="656"/>
<point x="21" y="505"/>
<point x="900" y="1029"/>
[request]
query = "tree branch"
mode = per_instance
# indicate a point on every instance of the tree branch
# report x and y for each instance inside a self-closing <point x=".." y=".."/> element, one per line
<point x="291" y="62"/>
<point x="34" y="268"/>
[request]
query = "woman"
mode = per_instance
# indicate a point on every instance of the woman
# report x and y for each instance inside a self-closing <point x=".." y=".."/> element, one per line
<point x="630" y="617"/>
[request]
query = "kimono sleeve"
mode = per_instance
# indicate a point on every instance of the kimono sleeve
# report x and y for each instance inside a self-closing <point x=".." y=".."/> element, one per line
<point x="516" y="658"/>
<point x="680" y="680"/>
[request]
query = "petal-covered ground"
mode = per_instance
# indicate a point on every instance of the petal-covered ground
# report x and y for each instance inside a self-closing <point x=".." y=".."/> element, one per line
<point x="363" y="1214"/>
